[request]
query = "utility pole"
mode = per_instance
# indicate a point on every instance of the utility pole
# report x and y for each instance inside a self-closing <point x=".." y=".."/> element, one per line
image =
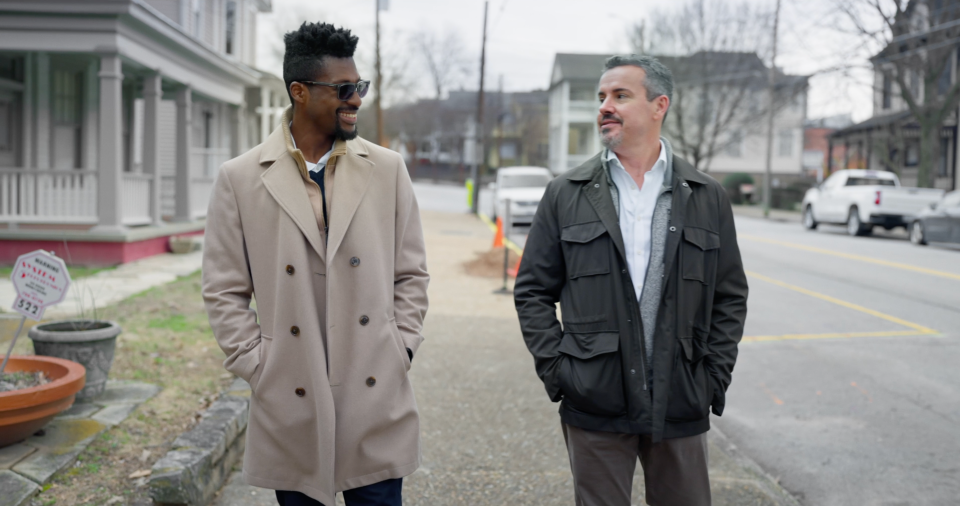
<point x="500" y="124"/>
<point x="378" y="102"/>
<point x="475" y="169"/>
<point x="772" y="85"/>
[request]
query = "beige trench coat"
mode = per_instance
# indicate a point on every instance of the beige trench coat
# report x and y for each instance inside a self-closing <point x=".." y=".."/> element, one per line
<point x="332" y="408"/>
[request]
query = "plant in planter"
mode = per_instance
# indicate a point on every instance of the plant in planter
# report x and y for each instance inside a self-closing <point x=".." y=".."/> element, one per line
<point x="88" y="342"/>
<point x="25" y="410"/>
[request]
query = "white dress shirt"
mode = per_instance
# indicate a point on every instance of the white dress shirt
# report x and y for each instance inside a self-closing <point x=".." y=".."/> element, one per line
<point x="636" y="213"/>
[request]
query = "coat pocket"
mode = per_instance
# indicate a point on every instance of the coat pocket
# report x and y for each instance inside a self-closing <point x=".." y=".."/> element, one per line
<point x="590" y="375"/>
<point x="398" y="339"/>
<point x="697" y="243"/>
<point x="264" y="351"/>
<point x="690" y="392"/>
<point x="586" y="249"/>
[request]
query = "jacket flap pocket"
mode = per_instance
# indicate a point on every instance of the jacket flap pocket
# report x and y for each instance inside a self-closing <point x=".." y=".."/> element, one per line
<point x="584" y="346"/>
<point x="582" y="232"/>
<point x="694" y="349"/>
<point x="702" y="238"/>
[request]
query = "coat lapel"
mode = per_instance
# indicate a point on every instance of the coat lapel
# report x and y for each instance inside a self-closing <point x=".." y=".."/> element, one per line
<point x="352" y="177"/>
<point x="285" y="184"/>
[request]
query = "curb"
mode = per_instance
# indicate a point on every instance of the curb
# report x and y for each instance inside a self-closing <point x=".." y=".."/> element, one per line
<point x="767" y="485"/>
<point x="200" y="460"/>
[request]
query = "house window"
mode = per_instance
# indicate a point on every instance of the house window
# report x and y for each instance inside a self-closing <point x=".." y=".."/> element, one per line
<point x="11" y="68"/>
<point x="943" y="83"/>
<point x="6" y="126"/>
<point x="887" y="90"/>
<point x="231" y="28"/>
<point x="579" y="139"/>
<point x="197" y="18"/>
<point x="735" y="148"/>
<point x="508" y="151"/>
<point x="66" y="119"/>
<point x="913" y="154"/>
<point x="785" y="143"/>
<point x="944" y="159"/>
<point x="580" y="92"/>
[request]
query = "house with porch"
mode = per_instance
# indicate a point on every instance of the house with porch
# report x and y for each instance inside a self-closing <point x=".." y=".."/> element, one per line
<point x="891" y="138"/>
<point x="115" y="116"/>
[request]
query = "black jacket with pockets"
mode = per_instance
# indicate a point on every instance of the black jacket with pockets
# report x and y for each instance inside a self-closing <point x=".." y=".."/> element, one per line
<point x="594" y="361"/>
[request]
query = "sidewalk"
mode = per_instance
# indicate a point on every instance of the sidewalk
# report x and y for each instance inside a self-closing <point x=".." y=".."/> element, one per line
<point x="113" y="285"/>
<point x="490" y="435"/>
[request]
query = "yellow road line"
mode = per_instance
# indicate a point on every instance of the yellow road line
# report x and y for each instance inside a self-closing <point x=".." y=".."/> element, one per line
<point x="849" y="256"/>
<point x="493" y="226"/>
<point x="835" y="335"/>
<point x="849" y="305"/>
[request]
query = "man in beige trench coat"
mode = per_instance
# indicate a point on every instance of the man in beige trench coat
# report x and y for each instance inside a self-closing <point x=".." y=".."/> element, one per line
<point x="322" y="227"/>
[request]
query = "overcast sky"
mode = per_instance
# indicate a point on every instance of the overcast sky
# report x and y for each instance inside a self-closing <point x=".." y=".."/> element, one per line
<point x="524" y="35"/>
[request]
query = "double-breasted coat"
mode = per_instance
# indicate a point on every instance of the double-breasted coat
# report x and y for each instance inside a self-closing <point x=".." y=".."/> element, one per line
<point x="332" y="407"/>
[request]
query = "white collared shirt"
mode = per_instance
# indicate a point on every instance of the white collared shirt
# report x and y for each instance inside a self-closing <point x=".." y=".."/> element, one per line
<point x="636" y="213"/>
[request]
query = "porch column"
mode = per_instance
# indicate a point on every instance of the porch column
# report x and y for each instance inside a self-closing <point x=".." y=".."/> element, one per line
<point x="265" y="106"/>
<point x="152" y="95"/>
<point x="111" y="143"/>
<point x="829" y="157"/>
<point x="183" y="170"/>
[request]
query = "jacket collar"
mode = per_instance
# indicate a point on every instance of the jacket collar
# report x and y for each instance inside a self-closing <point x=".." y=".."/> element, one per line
<point x="285" y="177"/>
<point x="280" y="143"/>
<point x="678" y="170"/>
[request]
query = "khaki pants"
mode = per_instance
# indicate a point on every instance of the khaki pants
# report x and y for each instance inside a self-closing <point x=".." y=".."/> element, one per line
<point x="674" y="470"/>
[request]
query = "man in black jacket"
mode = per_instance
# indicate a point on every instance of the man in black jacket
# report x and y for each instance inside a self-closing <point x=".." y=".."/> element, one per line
<point x="640" y="250"/>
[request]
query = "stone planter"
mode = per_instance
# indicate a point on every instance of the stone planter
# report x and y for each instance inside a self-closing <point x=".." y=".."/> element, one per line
<point x="88" y="342"/>
<point x="23" y="412"/>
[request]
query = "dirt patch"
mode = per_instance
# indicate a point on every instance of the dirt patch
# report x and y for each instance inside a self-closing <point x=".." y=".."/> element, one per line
<point x="489" y="264"/>
<point x="22" y="379"/>
<point x="167" y="341"/>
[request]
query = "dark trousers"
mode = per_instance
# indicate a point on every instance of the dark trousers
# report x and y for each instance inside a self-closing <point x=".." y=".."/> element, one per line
<point x="674" y="470"/>
<point x="384" y="493"/>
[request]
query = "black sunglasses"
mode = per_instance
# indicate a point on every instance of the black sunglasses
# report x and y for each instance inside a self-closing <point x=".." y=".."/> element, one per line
<point x="345" y="90"/>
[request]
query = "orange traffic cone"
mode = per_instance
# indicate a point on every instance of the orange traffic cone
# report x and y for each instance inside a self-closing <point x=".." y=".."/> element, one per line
<point x="498" y="238"/>
<point x="516" y="268"/>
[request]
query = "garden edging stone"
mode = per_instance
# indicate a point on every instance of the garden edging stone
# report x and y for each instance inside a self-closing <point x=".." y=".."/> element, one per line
<point x="201" y="459"/>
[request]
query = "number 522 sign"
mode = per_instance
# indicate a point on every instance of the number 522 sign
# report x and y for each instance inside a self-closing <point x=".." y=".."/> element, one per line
<point x="41" y="280"/>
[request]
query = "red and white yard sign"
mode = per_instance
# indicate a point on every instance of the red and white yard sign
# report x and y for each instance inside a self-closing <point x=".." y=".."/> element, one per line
<point x="41" y="280"/>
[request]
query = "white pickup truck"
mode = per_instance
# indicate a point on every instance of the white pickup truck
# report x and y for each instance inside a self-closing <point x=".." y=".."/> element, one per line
<point x="862" y="199"/>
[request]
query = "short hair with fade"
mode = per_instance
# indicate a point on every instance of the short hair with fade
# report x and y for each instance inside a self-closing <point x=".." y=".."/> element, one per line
<point x="306" y="47"/>
<point x="658" y="80"/>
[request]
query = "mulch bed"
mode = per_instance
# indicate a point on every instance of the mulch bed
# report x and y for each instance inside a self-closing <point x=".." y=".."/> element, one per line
<point x="489" y="264"/>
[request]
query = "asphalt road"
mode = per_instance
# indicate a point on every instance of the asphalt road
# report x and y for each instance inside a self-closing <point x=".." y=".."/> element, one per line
<point x="847" y="382"/>
<point x="847" y="386"/>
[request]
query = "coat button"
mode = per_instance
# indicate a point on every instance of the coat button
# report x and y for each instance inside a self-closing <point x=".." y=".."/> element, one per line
<point x="295" y="330"/>
<point x="596" y="185"/>
<point x="673" y="229"/>
<point x="685" y="185"/>
<point x="300" y="392"/>
<point x="290" y="270"/>
<point x="371" y="381"/>
<point x="354" y="261"/>
<point x="364" y="320"/>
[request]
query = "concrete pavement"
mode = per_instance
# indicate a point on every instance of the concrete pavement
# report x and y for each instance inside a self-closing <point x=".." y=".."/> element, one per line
<point x="113" y="285"/>
<point x="490" y="435"/>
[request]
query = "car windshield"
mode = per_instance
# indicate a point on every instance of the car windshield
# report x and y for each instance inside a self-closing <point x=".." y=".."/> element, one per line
<point x="870" y="181"/>
<point x="524" y="181"/>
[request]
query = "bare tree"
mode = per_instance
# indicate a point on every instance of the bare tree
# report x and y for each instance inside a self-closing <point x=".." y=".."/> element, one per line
<point x="914" y="43"/>
<point x="444" y="58"/>
<point x="714" y="49"/>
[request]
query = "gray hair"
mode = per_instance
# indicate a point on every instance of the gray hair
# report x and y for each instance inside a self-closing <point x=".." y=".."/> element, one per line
<point x="659" y="79"/>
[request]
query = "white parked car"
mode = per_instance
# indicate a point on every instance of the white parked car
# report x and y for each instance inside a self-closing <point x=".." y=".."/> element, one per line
<point x="523" y="187"/>
<point x="862" y="199"/>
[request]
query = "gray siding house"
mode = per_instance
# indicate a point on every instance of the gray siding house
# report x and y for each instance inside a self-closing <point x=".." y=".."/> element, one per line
<point x="116" y="114"/>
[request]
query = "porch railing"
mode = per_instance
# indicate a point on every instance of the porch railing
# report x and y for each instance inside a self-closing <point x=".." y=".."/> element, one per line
<point x="48" y="196"/>
<point x="137" y="198"/>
